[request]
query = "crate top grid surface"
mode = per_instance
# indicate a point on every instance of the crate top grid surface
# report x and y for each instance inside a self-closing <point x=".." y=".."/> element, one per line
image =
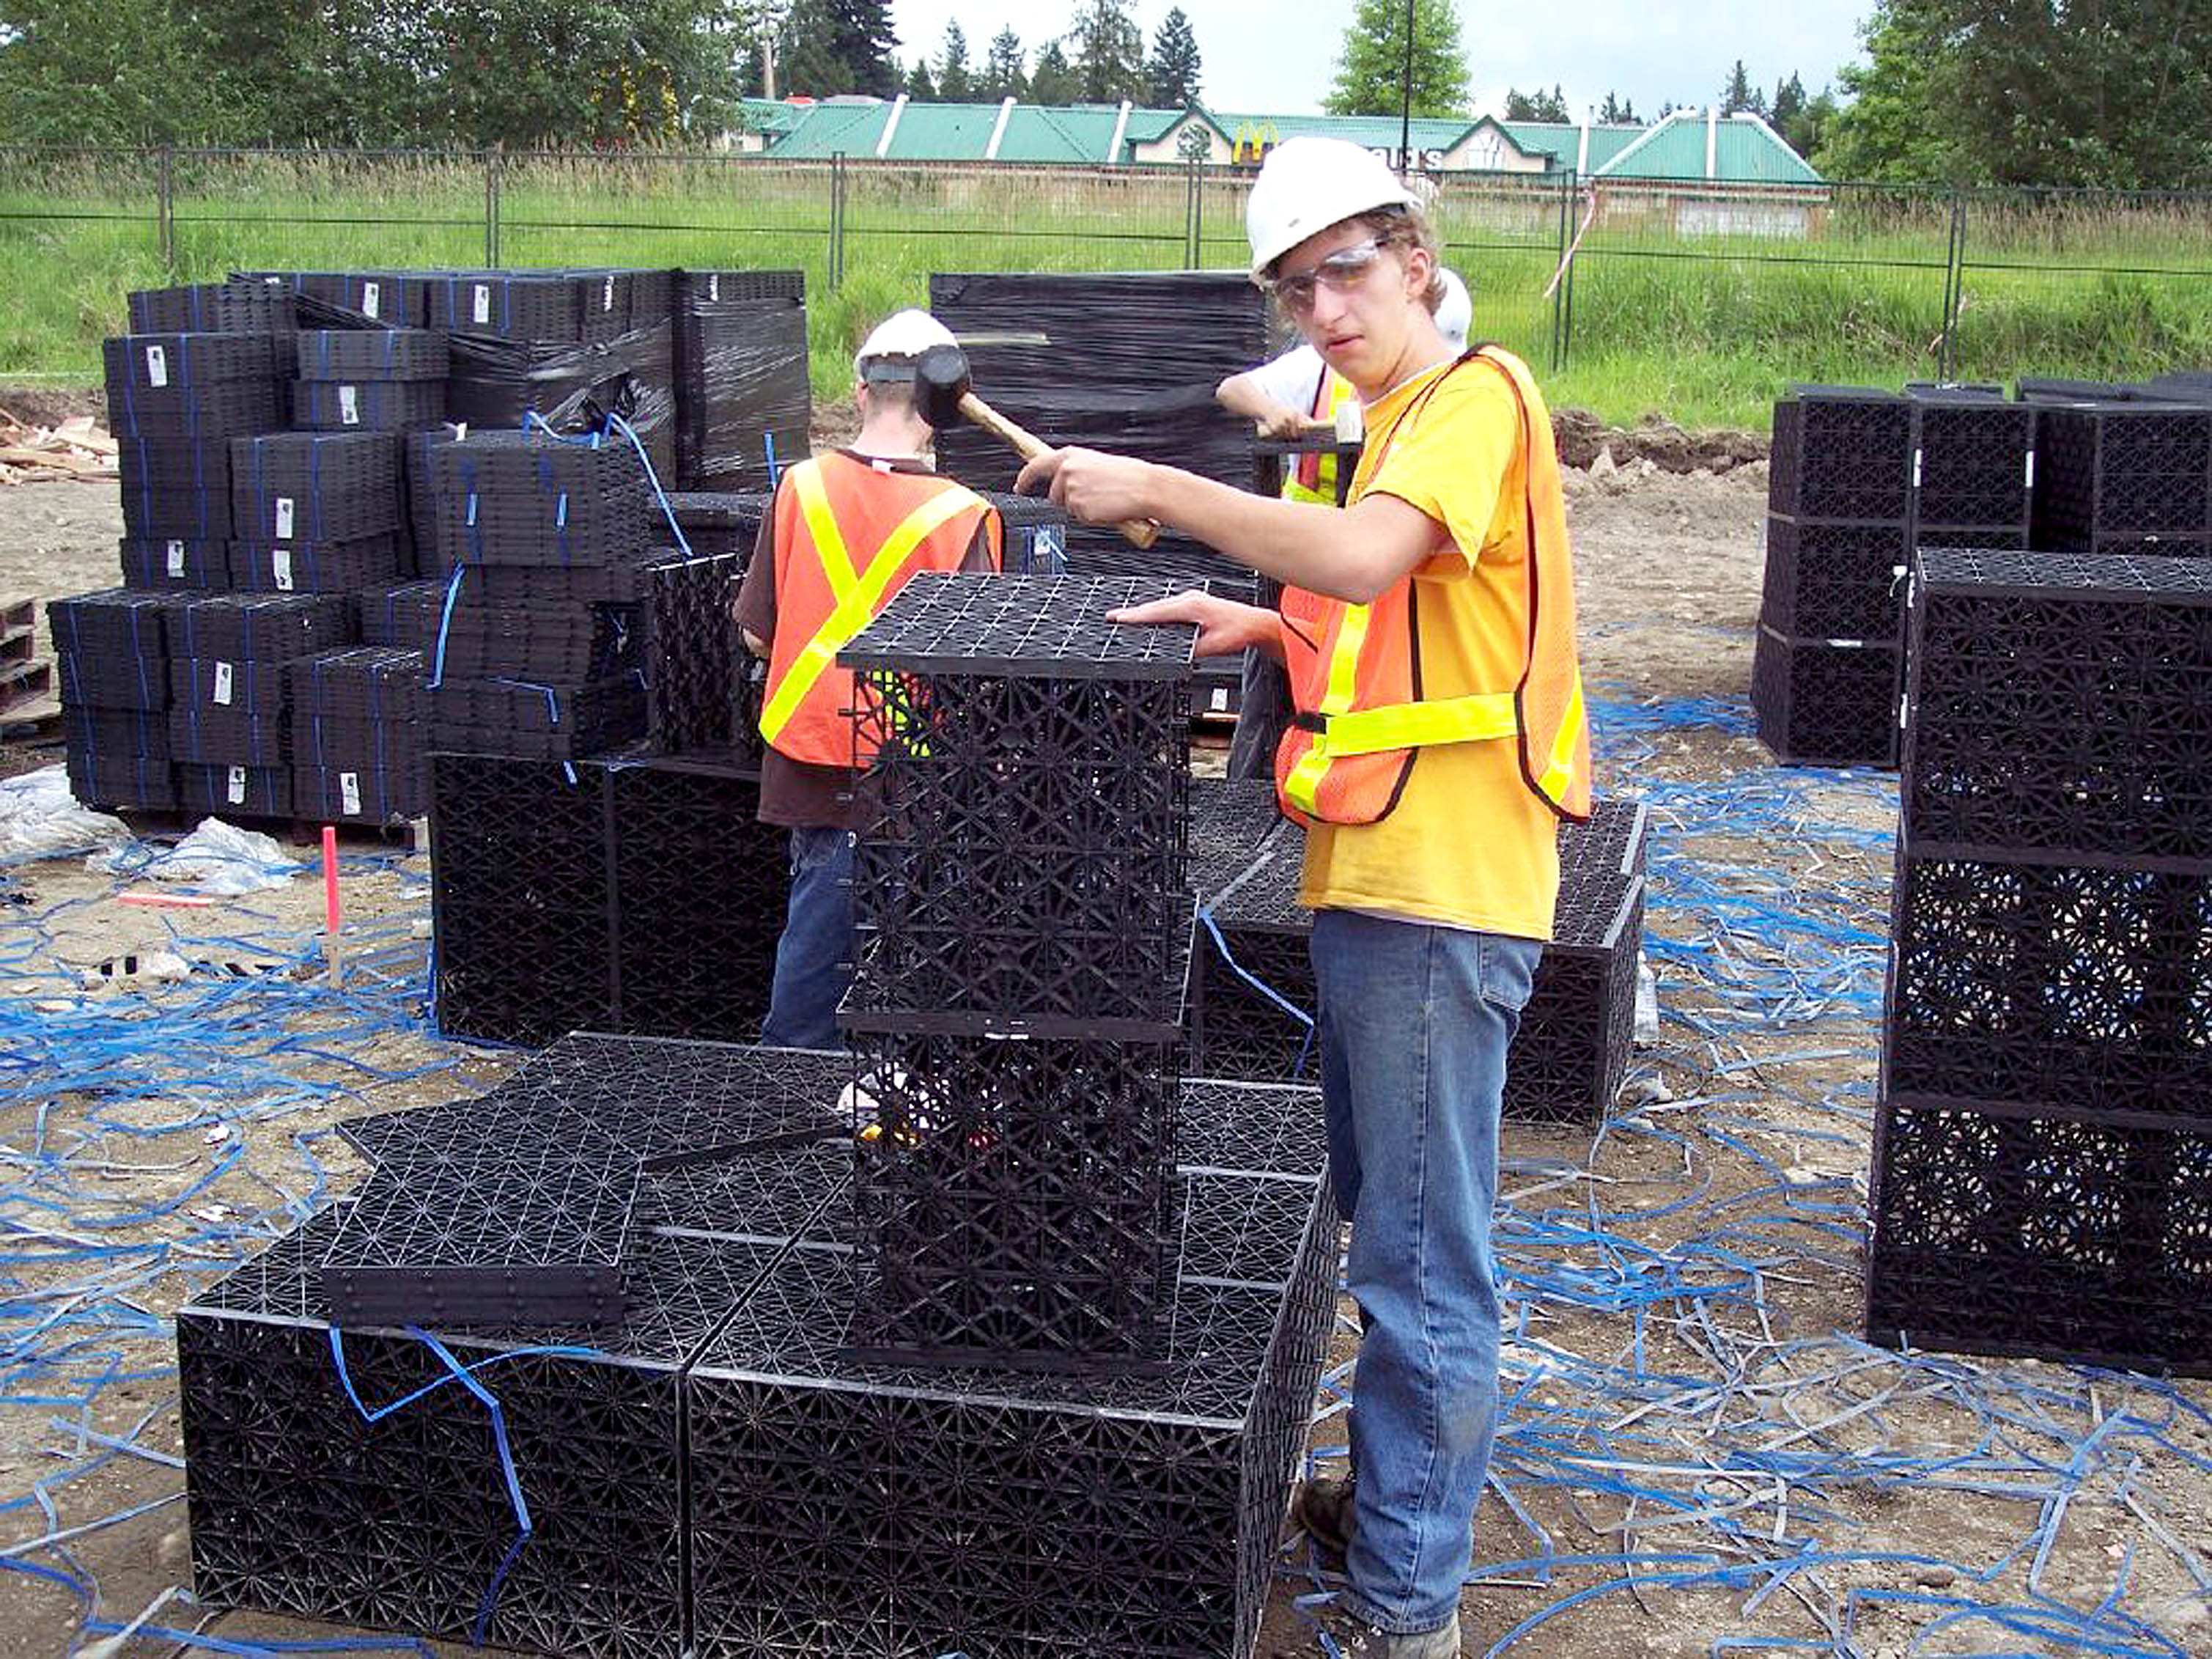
<point x="2148" y="578"/>
<point x="1024" y="626"/>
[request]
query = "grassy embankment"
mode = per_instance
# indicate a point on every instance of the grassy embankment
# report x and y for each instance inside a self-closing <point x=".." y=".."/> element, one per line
<point x="1704" y="329"/>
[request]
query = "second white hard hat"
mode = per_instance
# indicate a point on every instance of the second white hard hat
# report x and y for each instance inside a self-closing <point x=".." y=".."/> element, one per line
<point x="1455" y="311"/>
<point x="903" y="334"/>
<point x="1307" y="184"/>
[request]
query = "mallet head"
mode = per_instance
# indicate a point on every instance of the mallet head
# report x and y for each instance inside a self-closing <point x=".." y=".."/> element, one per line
<point x="940" y="380"/>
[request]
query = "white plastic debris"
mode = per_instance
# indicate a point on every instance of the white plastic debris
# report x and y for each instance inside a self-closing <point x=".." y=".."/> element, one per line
<point x="39" y="819"/>
<point x="1645" y="1030"/>
<point x="217" y="858"/>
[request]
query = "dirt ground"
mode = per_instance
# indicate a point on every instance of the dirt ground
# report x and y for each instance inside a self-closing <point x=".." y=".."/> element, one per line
<point x="1696" y="1455"/>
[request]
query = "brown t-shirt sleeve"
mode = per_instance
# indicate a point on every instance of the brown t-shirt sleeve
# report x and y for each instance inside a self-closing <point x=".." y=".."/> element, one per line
<point x="978" y="557"/>
<point x="757" y="594"/>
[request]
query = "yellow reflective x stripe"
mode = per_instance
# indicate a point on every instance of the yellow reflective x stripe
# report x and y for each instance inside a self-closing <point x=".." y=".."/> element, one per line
<point x="1416" y="724"/>
<point x="856" y="606"/>
<point x="1561" y="771"/>
<point x="821" y="526"/>
<point x="1300" y="786"/>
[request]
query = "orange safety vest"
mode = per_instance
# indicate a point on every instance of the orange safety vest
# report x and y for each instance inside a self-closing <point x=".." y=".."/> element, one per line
<point x="1355" y="669"/>
<point x="1314" y="477"/>
<point x="847" y="537"/>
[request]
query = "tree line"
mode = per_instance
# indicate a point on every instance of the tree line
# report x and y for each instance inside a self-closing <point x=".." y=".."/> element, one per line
<point x="1101" y="59"/>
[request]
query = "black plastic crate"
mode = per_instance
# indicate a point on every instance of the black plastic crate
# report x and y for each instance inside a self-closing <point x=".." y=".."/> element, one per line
<point x="743" y="403"/>
<point x="224" y="737"/>
<point x="2121" y="470"/>
<point x="313" y="567"/>
<point x="1826" y="581"/>
<point x="217" y="686"/>
<point x="533" y="306"/>
<point x="2084" y="989"/>
<point x="372" y="682"/>
<point x="315" y="486"/>
<point x="2057" y="705"/>
<point x="147" y="370"/>
<point x="549" y="643"/>
<point x="368" y="405"/>
<point x="234" y="790"/>
<point x="2075" y="1242"/>
<point x="1973" y="460"/>
<point x="695" y="663"/>
<point x="405" y="614"/>
<point x="111" y="648"/>
<point x="266" y="628"/>
<point x="354" y="299"/>
<point x="232" y="308"/>
<point x="228" y="409"/>
<point x="718" y="522"/>
<point x="176" y="564"/>
<point x="120" y="733"/>
<point x="201" y="465"/>
<point x="382" y="354"/>
<point x="159" y="512"/>
<point x="1841" y="453"/>
<point x="1036" y="534"/>
<point x="380" y="793"/>
<point x="555" y="721"/>
<point x="121" y="782"/>
<point x="1822" y="703"/>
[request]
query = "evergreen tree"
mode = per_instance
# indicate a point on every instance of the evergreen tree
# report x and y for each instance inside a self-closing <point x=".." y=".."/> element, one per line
<point x="920" y="88"/>
<point x="1003" y="75"/>
<point x="1789" y="103"/>
<point x="1740" y="94"/>
<point x="956" y="83"/>
<point x="1171" y="76"/>
<point x="1370" y="67"/>
<point x="1539" y="106"/>
<point x="1053" y="81"/>
<point x="1618" y="111"/>
<point x="1809" y="127"/>
<point x="1110" y="52"/>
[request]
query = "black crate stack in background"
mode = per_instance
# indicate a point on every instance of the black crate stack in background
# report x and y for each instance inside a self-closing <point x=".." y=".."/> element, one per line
<point x="2043" y="1157"/>
<point x="743" y="401"/>
<point x="1827" y="664"/>
<point x="1021" y="876"/>
<point x="1252" y="983"/>
<point x="230" y="708"/>
<point x="111" y="660"/>
<point x="385" y="380"/>
<point x="2126" y="477"/>
<point x="1125" y="361"/>
<point x="358" y="755"/>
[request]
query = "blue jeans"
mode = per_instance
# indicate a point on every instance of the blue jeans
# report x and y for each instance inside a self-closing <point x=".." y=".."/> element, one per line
<point x="814" y="957"/>
<point x="1415" y="1022"/>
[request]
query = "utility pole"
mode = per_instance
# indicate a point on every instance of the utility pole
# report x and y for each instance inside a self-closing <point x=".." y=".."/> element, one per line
<point x="1405" y="108"/>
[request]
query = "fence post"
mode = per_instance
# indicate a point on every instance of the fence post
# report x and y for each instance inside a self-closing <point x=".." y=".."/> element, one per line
<point x="491" y="209"/>
<point x="1560" y="273"/>
<point x="837" y="220"/>
<point x="165" y="210"/>
<point x="1955" y="283"/>
<point x="1193" y="200"/>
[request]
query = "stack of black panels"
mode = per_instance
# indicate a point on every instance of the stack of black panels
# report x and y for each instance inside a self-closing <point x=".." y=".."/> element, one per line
<point x="635" y="894"/>
<point x="112" y="654"/>
<point x="540" y="651"/>
<point x="2043" y="1153"/>
<point x="1828" y="665"/>
<point x="1125" y="362"/>
<point x="352" y="299"/>
<point x="230" y="711"/>
<point x="743" y="403"/>
<point x="2125" y="477"/>
<point x="1254" y="997"/>
<point x="357" y="753"/>
<point x="237" y="307"/>
<point x="1021" y="873"/>
<point x="707" y="1474"/>
<point x="383" y="379"/>
<point x="1036" y="534"/>
<point x="176" y="402"/>
<point x="717" y="521"/>
<point x="315" y="512"/>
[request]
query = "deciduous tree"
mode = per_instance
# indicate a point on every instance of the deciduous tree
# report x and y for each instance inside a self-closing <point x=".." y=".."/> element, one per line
<point x="1370" y="66"/>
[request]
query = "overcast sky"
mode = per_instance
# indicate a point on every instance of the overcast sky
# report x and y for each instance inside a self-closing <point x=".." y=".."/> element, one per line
<point x="1268" y="56"/>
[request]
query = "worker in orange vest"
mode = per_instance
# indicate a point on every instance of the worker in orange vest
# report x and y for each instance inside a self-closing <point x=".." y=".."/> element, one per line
<point x="1291" y="396"/>
<point x="846" y="531"/>
<point x="1428" y="629"/>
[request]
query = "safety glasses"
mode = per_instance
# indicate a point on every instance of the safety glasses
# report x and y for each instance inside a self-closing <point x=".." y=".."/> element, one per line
<point x="1341" y="271"/>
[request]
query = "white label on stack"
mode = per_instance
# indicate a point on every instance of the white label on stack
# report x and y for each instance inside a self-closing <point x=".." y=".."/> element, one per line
<point x="157" y="366"/>
<point x="1220" y="700"/>
<point x="480" y="306"/>
<point x="280" y="562"/>
<point x="607" y="295"/>
<point x="222" y="683"/>
<point x="1915" y="469"/>
<point x="715" y="285"/>
<point x="176" y="559"/>
<point x="368" y="298"/>
<point x="349" y="794"/>
<point x="349" y="406"/>
<point x="283" y="518"/>
<point x="235" y="788"/>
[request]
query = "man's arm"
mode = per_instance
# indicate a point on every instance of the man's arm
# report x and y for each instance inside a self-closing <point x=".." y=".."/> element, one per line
<point x="1242" y="394"/>
<point x="755" y="601"/>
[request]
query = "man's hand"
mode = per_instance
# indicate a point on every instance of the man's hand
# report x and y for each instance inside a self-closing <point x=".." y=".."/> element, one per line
<point x="1281" y="421"/>
<point x="1095" y="488"/>
<point x="1224" y="625"/>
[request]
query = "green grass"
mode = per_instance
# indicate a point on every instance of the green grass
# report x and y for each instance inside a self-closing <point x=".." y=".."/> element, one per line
<point x="1704" y="329"/>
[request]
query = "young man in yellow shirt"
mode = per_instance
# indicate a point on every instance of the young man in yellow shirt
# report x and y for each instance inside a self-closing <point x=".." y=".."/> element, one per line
<point x="1428" y="629"/>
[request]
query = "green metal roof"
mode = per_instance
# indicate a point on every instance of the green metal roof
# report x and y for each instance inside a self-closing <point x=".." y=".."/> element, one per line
<point x="827" y="129"/>
<point x="1375" y="132"/>
<point x="1563" y="141"/>
<point x="769" y="115"/>
<point x="1744" y="152"/>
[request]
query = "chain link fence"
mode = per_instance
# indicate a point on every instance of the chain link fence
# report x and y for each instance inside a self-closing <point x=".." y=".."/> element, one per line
<point x="1829" y="282"/>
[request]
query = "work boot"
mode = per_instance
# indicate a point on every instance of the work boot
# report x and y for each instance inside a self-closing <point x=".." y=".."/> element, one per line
<point x="1323" y="1512"/>
<point x="1366" y="1641"/>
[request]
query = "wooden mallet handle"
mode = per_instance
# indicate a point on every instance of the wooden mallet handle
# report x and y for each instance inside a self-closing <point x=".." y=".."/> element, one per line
<point x="1137" y="532"/>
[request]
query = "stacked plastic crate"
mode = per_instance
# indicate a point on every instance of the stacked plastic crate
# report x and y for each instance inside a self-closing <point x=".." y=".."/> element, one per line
<point x="1254" y="996"/>
<point x="2043" y="1157"/>
<point x="230" y="686"/>
<point x="2125" y="477"/>
<point x="742" y="399"/>
<point x="112" y="656"/>
<point x="1021" y="876"/>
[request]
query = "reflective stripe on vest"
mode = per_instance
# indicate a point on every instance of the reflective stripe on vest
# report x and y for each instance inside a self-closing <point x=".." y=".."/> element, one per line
<point x="1313" y="477"/>
<point x="858" y="594"/>
<point x="1381" y="740"/>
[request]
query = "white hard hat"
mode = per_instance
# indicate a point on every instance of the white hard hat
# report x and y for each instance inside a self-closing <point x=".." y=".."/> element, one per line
<point x="905" y="334"/>
<point x="1307" y="184"/>
<point x="1455" y="311"/>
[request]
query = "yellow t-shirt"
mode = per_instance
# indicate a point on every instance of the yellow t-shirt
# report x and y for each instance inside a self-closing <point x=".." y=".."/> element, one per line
<point x="1469" y="843"/>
